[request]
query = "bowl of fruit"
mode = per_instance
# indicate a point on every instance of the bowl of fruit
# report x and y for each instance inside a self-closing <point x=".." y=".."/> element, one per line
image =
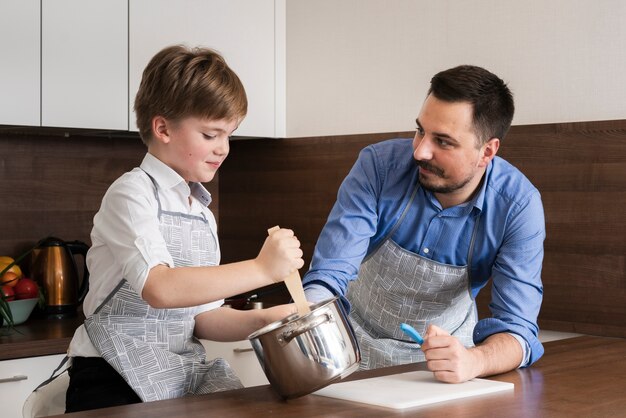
<point x="18" y="294"/>
<point x="21" y="309"/>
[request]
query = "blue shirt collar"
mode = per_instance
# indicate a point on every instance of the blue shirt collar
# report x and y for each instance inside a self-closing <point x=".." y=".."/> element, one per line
<point x="463" y="209"/>
<point x="479" y="198"/>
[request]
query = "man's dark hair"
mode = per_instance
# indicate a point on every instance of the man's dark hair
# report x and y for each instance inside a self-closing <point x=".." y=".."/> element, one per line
<point x="491" y="99"/>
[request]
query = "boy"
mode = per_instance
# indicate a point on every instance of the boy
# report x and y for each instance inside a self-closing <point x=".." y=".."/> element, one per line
<point x="156" y="285"/>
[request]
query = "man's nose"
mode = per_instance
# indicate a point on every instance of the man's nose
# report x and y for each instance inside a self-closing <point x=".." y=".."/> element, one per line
<point x="422" y="148"/>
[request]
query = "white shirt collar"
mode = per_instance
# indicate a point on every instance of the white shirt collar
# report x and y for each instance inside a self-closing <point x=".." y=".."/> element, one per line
<point x="167" y="178"/>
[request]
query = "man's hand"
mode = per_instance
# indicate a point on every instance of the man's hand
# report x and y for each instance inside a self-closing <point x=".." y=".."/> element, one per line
<point x="451" y="362"/>
<point x="447" y="358"/>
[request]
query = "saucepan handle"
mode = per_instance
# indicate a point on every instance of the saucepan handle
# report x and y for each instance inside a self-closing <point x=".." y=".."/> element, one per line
<point x="292" y="333"/>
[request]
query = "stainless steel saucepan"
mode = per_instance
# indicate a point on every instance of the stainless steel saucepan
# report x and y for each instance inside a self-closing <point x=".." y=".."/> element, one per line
<point x="302" y="354"/>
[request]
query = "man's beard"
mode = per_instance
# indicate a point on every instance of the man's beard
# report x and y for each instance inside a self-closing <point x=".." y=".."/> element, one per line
<point x="443" y="188"/>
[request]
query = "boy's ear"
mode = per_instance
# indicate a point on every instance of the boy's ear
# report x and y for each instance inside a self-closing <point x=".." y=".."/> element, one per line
<point x="160" y="129"/>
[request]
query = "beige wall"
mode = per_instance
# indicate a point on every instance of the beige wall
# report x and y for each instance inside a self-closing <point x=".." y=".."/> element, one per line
<point x="363" y="66"/>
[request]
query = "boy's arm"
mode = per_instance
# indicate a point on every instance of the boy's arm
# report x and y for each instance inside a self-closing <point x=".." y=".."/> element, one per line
<point x="227" y="324"/>
<point x="179" y="287"/>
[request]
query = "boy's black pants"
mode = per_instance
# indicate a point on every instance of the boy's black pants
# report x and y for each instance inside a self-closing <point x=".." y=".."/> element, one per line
<point x="95" y="384"/>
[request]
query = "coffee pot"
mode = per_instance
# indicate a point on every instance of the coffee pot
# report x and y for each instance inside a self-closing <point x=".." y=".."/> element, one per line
<point x="53" y="267"/>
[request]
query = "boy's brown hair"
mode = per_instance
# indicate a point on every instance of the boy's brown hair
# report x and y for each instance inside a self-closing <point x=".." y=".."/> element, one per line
<point x="181" y="82"/>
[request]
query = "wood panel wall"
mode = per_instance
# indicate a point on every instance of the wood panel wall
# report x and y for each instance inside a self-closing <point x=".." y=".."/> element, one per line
<point x="580" y="169"/>
<point x="52" y="182"/>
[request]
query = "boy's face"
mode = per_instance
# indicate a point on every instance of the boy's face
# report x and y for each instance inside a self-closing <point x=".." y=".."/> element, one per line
<point x="193" y="147"/>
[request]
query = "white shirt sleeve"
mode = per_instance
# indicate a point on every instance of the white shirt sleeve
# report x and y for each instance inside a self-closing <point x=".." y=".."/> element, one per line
<point x="126" y="239"/>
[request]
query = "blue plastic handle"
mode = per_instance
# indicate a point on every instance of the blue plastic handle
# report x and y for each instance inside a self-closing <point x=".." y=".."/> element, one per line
<point x="411" y="332"/>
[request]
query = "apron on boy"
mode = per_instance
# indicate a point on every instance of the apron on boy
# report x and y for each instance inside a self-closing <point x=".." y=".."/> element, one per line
<point x="154" y="350"/>
<point x="395" y="285"/>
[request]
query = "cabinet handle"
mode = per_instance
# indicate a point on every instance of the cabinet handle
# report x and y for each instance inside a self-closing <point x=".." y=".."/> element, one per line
<point x="15" y="378"/>
<point x="241" y="350"/>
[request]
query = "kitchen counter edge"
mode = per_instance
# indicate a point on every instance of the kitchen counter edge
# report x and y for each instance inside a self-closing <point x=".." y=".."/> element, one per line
<point x="38" y="337"/>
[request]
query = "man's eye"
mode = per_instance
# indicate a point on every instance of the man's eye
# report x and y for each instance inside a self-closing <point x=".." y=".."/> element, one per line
<point x="442" y="142"/>
<point x="420" y="131"/>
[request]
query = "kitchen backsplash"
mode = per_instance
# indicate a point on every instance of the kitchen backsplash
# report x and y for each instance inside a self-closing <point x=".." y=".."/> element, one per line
<point x="51" y="183"/>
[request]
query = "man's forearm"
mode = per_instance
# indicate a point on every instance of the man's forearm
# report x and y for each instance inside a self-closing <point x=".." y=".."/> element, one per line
<point x="499" y="353"/>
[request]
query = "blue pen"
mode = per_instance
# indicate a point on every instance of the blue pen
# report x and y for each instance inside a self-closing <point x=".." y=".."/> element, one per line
<point x="411" y="332"/>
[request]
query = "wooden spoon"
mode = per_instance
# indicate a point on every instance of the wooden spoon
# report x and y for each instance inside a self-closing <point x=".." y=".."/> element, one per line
<point x="294" y="286"/>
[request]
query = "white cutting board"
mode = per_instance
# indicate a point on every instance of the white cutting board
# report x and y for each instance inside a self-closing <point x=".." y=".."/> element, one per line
<point x="408" y="390"/>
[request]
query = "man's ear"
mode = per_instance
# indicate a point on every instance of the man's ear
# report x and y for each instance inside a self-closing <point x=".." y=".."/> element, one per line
<point x="488" y="151"/>
<point x="160" y="129"/>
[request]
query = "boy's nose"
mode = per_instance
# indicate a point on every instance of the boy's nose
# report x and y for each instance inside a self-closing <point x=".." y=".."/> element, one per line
<point x="223" y="147"/>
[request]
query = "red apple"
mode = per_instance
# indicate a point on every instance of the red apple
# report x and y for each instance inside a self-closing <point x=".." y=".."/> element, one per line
<point x="7" y="292"/>
<point x="26" y="289"/>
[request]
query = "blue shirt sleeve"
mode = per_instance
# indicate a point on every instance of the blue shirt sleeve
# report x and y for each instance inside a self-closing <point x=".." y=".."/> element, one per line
<point x="344" y="240"/>
<point x="517" y="291"/>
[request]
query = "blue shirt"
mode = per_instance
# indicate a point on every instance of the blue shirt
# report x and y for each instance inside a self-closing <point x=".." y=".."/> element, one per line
<point x="508" y="247"/>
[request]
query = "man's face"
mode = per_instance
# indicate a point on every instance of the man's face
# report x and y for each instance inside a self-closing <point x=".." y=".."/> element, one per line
<point x="445" y="148"/>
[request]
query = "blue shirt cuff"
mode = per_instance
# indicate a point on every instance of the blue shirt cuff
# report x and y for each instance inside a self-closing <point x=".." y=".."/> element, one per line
<point x="525" y="349"/>
<point x="316" y="293"/>
<point x="490" y="326"/>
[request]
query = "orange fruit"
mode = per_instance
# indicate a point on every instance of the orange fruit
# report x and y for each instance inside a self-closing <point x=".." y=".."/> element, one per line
<point x="12" y="275"/>
<point x="9" y="279"/>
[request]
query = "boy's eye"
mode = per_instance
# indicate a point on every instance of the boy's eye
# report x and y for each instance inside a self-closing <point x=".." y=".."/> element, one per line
<point x="208" y="136"/>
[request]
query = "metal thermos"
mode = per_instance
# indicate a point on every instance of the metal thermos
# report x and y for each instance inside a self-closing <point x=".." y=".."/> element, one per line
<point x="53" y="267"/>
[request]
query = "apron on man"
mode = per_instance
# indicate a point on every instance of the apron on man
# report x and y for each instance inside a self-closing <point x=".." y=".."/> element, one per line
<point x="154" y="350"/>
<point x="395" y="285"/>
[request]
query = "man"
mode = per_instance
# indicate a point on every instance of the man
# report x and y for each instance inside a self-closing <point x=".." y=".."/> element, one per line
<point x="420" y="226"/>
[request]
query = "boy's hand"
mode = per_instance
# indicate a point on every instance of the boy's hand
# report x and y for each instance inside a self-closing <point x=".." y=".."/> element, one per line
<point x="280" y="255"/>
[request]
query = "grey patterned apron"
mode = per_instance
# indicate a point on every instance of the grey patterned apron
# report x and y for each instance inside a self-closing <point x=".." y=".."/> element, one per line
<point x="155" y="350"/>
<point x="394" y="286"/>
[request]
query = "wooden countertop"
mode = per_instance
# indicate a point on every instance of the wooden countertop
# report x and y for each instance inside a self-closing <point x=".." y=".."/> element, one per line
<point x="578" y="377"/>
<point x="41" y="336"/>
<point x="38" y="337"/>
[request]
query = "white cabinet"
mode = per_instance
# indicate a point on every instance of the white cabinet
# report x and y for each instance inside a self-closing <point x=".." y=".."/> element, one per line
<point x="84" y="64"/>
<point x="241" y="30"/>
<point x="18" y="378"/>
<point x="78" y="63"/>
<point x="64" y="63"/>
<point x="241" y="358"/>
<point x="19" y="71"/>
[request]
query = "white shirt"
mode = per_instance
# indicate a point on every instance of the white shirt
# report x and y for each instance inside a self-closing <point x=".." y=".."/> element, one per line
<point x="126" y="240"/>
